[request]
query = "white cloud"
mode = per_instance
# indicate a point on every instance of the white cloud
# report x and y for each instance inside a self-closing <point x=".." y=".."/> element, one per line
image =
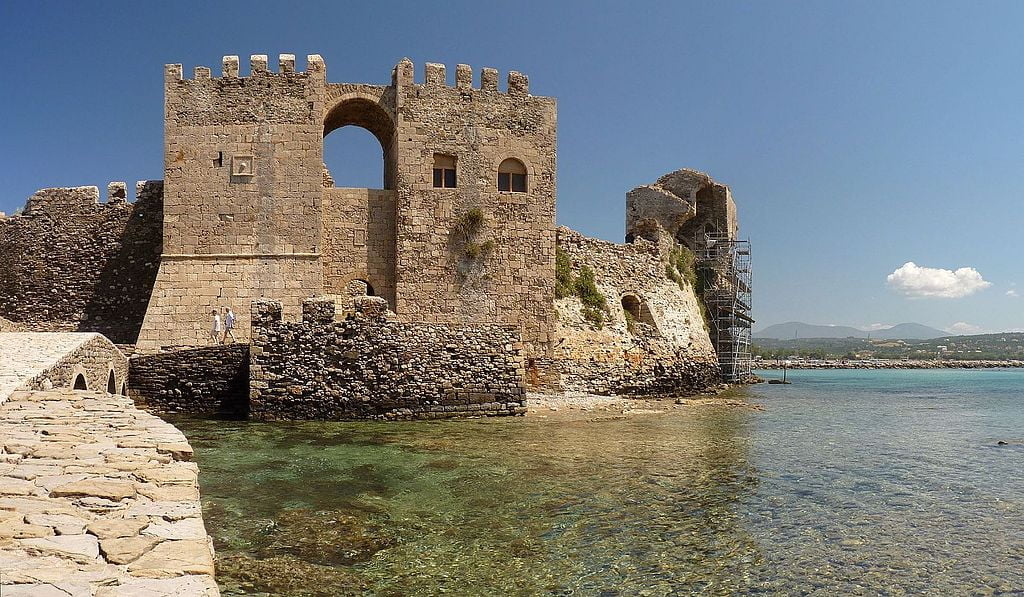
<point x="1012" y="293"/>
<point x="962" y="328"/>
<point x="877" y="326"/>
<point x="914" y="281"/>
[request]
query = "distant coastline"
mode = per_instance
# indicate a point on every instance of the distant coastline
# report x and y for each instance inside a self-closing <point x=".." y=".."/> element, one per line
<point x="885" y="364"/>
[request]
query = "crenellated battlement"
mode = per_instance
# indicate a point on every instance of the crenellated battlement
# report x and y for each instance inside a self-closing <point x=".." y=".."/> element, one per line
<point x="434" y="74"/>
<point x="259" y="66"/>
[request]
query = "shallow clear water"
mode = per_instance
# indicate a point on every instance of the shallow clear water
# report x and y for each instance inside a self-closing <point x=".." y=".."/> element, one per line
<point x="848" y="482"/>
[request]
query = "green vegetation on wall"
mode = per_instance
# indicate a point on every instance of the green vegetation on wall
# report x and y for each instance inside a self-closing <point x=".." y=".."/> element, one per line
<point x="581" y="286"/>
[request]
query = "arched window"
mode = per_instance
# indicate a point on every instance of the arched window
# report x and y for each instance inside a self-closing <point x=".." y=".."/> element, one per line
<point x="80" y="382"/>
<point x="111" y="383"/>
<point x="444" y="171"/>
<point x="124" y="389"/>
<point x="512" y="176"/>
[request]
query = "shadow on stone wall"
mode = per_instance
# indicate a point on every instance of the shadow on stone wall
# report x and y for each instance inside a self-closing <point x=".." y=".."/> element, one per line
<point x="209" y="380"/>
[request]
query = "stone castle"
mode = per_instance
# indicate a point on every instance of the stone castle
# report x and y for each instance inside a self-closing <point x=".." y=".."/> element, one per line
<point x="467" y="275"/>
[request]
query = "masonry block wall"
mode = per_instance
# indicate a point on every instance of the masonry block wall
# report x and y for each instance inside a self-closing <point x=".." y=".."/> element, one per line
<point x="247" y="214"/>
<point x="438" y="280"/>
<point x="70" y="262"/>
<point x="242" y="183"/>
<point x="367" y="367"/>
<point x="359" y="240"/>
<point x="661" y="349"/>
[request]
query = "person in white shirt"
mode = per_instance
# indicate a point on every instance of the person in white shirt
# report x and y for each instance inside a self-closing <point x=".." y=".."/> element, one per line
<point x="229" y="325"/>
<point x="215" y="332"/>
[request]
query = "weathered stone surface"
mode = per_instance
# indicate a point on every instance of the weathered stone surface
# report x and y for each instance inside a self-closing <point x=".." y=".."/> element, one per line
<point x="106" y="489"/>
<point x="83" y="548"/>
<point x="15" y="529"/>
<point x="63" y="524"/>
<point x="174" y="558"/>
<point x="13" y="486"/>
<point x="113" y="528"/>
<point x="122" y="550"/>
<point x="187" y="528"/>
<point x="198" y="586"/>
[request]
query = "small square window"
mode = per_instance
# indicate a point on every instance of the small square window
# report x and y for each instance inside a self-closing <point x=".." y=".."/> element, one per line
<point x="438" y="178"/>
<point x="449" y="178"/>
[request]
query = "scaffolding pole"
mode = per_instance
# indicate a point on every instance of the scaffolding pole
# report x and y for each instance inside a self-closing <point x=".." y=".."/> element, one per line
<point x="724" y="273"/>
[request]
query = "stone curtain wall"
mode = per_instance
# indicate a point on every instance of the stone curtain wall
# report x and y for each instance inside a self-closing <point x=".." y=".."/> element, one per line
<point x="70" y="262"/>
<point x="368" y="368"/>
<point x="670" y="355"/>
<point x="213" y="379"/>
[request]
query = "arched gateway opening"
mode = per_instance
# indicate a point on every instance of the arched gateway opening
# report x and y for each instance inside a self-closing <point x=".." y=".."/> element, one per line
<point x="80" y="382"/>
<point x="345" y="153"/>
<point x="111" y="383"/>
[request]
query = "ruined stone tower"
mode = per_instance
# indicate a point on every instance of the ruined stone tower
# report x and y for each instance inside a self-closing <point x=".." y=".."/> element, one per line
<point x="462" y="232"/>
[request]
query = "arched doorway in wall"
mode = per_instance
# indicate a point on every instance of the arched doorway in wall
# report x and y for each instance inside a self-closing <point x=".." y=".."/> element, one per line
<point x="359" y="145"/>
<point x="111" y="383"/>
<point x="80" y="382"/>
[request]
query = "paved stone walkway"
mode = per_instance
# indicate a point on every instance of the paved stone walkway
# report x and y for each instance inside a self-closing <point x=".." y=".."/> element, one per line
<point x="24" y="355"/>
<point x="97" y="498"/>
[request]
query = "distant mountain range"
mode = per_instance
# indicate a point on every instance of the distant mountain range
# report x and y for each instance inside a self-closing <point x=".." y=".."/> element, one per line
<point x="796" y="329"/>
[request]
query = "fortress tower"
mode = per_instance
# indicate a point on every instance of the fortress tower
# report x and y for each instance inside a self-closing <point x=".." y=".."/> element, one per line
<point x="462" y="232"/>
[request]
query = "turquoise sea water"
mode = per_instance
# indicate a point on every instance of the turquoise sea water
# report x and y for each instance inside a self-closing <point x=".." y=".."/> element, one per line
<point x="848" y="482"/>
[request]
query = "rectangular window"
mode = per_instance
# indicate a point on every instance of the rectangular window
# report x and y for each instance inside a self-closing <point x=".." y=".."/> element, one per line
<point x="444" y="178"/>
<point x="504" y="181"/>
<point x="518" y="183"/>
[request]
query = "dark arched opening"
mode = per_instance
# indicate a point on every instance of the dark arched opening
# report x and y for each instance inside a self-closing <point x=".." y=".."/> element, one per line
<point x="111" y="383"/>
<point x="80" y="382"/>
<point x="345" y="154"/>
<point x="636" y="311"/>
<point x="359" y="288"/>
<point x="124" y="389"/>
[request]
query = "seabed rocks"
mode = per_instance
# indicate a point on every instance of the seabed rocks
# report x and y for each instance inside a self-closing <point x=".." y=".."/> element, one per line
<point x="97" y="498"/>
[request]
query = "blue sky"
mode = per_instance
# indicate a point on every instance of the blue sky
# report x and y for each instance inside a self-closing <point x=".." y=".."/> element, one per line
<point x="856" y="136"/>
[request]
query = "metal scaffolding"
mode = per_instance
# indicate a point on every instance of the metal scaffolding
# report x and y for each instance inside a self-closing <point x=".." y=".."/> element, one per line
<point x="724" y="275"/>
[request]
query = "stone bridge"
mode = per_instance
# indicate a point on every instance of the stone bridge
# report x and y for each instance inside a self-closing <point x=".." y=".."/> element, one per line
<point x="97" y="498"/>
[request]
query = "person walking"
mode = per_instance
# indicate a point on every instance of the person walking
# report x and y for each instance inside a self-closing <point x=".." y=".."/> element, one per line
<point x="216" y="330"/>
<point x="229" y="325"/>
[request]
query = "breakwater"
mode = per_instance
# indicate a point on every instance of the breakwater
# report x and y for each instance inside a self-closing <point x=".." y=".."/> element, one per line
<point x="886" y="364"/>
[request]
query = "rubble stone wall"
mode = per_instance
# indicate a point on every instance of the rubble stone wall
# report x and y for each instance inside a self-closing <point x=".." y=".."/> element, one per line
<point x="69" y="262"/>
<point x="208" y="380"/>
<point x="665" y="352"/>
<point x="367" y="367"/>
